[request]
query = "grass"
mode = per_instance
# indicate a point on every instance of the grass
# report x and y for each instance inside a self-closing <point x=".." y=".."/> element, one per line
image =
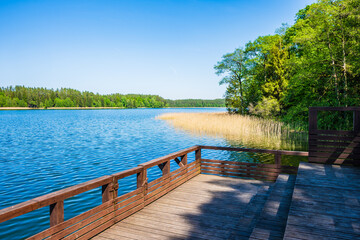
<point x="244" y="130"/>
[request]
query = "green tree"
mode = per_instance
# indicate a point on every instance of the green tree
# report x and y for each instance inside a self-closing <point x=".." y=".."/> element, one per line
<point x="233" y="67"/>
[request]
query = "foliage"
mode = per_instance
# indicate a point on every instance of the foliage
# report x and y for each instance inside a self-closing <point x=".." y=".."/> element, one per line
<point x="315" y="62"/>
<point x="20" y="96"/>
<point x="196" y="103"/>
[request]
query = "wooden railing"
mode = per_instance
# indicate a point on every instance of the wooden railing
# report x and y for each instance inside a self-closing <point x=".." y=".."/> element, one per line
<point x="114" y="208"/>
<point x="334" y="146"/>
<point x="257" y="171"/>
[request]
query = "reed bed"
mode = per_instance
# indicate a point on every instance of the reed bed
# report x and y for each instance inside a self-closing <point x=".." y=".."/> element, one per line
<point x="244" y="130"/>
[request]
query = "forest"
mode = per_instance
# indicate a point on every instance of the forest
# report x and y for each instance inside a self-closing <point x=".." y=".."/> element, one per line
<point x="314" y="62"/>
<point x="21" y="96"/>
<point x="196" y="103"/>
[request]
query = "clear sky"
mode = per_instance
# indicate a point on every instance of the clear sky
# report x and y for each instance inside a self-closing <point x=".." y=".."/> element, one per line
<point x="165" y="47"/>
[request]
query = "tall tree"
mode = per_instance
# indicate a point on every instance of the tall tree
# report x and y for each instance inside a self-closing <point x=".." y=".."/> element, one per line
<point x="233" y="67"/>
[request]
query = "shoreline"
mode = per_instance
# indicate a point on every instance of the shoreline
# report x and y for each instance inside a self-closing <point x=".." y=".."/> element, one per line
<point x="88" y="108"/>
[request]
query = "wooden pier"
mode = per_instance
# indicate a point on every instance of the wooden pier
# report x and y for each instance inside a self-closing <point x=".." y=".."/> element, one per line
<point x="219" y="199"/>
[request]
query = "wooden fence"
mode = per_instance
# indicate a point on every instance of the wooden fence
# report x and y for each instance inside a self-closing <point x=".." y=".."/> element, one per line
<point x="334" y="146"/>
<point x="114" y="208"/>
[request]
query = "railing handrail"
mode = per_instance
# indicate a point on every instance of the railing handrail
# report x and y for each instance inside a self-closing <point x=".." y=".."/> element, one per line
<point x="168" y="157"/>
<point x="282" y="152"/>
<point x="109" y="182"/>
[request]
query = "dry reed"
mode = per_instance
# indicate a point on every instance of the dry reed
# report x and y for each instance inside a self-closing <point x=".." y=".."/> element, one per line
<point x="246" y="130"/>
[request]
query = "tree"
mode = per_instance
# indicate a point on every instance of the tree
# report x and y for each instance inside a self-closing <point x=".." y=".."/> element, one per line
<point x="233" y="66"/>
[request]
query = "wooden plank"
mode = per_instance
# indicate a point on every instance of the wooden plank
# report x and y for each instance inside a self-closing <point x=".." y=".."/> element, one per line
<point x="141" y="178"/>
<point x="325" y="203"/>
<point x="189" y="175"/>
<point x="333" y="144"/>
<point x="169" y="228"/>
<point x="177" y="171"/>
<point x="166" y="168"/>
<point x="126" y="202"/>
<point x="83" y="226"/>
<point x="106" y="191"/>
<point x="51" y="198"/>
<point x="95" y="231"/>
<point x="17" y="210"/>
<point x="184" y="159"/>
<point x="333" y="149"/>
<point x="170" y="177"/>
<point x="198" y="155"/>
<point x="255" y="167"/>
<point x="66" y="224"/>
<point x="239" y="163"/>
<point x="278" y="159"/>
<point x="56" y="213"/>
<point x="333" y="132"/>
<point x="332" y="160"/>
<point x="99" y="225"/>
<point x="239" y="149"/>
<point x="262" y="177"/>
<point x="172" y="180"/>
<point x="126" y="173"/>
<point x="272" y="172"/>
<point x="338" y="138"/>
<point x="128" y="210"/>
<point x="111" y="234"/>
<point x="105" y="213"/>
<point x="356" y="121"/>
<point x="63" y="194"/>
<point x="143" y="233"/>
<point x="244" y="175"/>
<point x="160" y="160"/>
<point x="334" y="155"/>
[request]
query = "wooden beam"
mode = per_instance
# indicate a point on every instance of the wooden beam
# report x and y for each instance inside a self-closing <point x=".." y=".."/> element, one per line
<point x="166" y="168"/>
<point x="312" y="119"/>
<point x="184" y="159"/>
<point x="198" y="155"/>
<point x="141" y="178"/>
<point x="278" y="159"/>
<point x="56" y="213"/>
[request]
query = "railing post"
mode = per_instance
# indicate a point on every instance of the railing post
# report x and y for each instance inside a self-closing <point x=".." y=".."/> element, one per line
<point x="184" y="160"/>
<point x="166" y="168"/>
<point x="109" y="191"/>
<point x="141" y="178"/>
<point x="278" y="159"/>
<point x="198" y="155"/>
<point x="56" y="213"/>
<point x="312" y="119"/>
<point x="356" y="121"/>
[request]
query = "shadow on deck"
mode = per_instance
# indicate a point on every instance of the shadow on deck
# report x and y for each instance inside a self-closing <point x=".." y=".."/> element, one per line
<point x="212" y="207"/>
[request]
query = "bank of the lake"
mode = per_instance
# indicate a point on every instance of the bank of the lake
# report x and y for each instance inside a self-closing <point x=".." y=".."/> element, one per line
<point x="250" y="131"/>
<point x="95" y="108"/>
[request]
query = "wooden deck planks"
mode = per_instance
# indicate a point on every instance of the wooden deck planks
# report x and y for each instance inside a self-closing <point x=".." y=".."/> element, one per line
<point x="325" y="203"/>
<point x="206" y="207"/>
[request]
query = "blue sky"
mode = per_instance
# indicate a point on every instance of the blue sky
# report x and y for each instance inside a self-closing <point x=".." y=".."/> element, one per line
<point x="166" y="48"/>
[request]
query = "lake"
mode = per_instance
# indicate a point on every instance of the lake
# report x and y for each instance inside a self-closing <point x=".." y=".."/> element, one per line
<point x="42" y="151"/>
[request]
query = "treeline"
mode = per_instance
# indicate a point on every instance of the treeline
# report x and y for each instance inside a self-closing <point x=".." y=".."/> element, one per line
<point x="196" y="103"/>
<point x="20" y="96"/>
<point x="315" y="62"/>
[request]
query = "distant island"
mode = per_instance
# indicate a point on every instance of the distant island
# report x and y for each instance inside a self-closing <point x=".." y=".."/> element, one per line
<point x="19" y="97"/>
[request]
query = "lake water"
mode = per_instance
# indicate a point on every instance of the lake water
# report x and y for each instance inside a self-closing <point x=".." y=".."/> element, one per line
<point x="44" y="151"/>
